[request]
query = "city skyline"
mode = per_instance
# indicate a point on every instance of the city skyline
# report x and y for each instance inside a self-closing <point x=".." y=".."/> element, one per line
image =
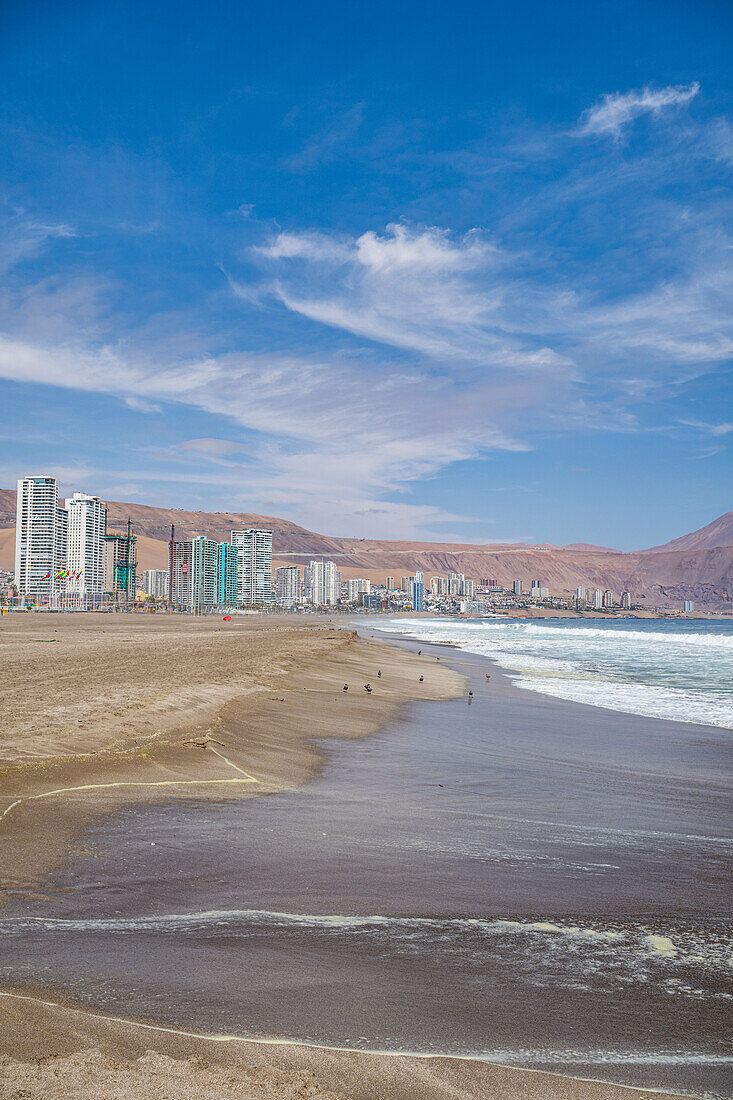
<point x="461" y="285"/>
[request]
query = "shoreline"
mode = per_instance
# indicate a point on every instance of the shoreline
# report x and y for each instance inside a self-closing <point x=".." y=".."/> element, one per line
<point x="275" y="741"/>
<point x="241" y="743"/>
<point x="363" y="1074"/>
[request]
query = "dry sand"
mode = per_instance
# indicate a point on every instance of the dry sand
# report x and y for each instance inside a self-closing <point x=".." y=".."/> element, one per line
<point x="103" y="710"/>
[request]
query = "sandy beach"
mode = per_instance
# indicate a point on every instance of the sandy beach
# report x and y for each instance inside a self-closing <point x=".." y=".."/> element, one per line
<point x="102" y="712"/>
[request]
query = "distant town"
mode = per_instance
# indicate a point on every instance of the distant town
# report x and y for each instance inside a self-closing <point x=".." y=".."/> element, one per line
<point x="66" y="559"/>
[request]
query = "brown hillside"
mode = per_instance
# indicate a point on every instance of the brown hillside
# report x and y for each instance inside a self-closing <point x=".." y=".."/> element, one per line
<point x="664" y="575"/>
<point x="717" y="533"/>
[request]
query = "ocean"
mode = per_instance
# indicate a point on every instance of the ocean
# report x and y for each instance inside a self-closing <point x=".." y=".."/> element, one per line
<point x="675" y="669"/>
<point x="514" y="875"/>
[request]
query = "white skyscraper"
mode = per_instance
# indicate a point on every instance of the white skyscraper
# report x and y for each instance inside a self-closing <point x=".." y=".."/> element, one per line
<point x="85" y="547"/>
<point x="357" y="587"/>
<point x="455" y="583"/>
<point x="40" y="540"/>
<point x="597" y="599"/>
<point x="324" y="583"/>
<point x="255" y="566"/>
<point x="287" y="583"/>
<point x="155" y="583"/>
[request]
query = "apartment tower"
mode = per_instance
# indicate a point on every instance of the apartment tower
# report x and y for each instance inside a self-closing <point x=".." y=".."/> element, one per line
<point x="324" y="583"/>
<point x="41" y="532"/>
<point x="85" y="546"/>
<point x="254" y="549"/>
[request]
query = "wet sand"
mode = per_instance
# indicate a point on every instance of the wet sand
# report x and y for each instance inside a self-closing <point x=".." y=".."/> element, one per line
<point x="100" y="712"/>
<point x="110" y="710"/>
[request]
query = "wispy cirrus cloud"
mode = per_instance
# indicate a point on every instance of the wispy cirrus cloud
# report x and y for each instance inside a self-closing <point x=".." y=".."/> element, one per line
<point x="23" y="237"/>
<point x="423" y="290"/>
<point x="617" y="109"/>
<point x="460" y="300"/>
<point x="706" y="428"/>
<point x="356" y="364"/>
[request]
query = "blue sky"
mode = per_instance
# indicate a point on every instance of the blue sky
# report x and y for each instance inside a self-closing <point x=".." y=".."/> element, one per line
<point x="452" y="271"/>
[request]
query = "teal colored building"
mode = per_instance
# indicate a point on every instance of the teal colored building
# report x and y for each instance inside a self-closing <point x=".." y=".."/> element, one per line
<point x="226" y="574"/>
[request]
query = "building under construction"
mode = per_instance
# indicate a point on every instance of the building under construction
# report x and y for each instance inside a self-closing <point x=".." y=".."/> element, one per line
<point x="120" y="565"/>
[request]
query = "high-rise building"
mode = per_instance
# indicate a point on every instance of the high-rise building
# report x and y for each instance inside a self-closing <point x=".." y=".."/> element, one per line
<point x="625" y="601"/>
<point x="608" y="598"/>
<point x="517" y="588"/>
<point x="85" y="545"/>
<point x="455" y="583"/>
<point x="688" y="606"/>
<point x="389" y="584"/>
<point x="287" y="583"/>
<point x="324" y="583"/>
<point x="41" y="532"/>
<point x="181" y="574"/>
<point x="227" y="566"/>
<point x="255" y="566"/>
<point x="406" y="584"/>
<point x="120" y="565"/>
<point x="580" y="594"/>
<point x="468" y="589"/>
<point x="204" y="569"/>
<point x="356" y="588"/>
<point x="597" y="599"/>
<point x="155" y="583"/>
<point x="418" y="592"/>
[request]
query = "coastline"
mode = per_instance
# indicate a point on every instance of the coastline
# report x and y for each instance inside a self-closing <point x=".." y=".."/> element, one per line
<point x="260" y="725"/>
<point x="162" y="735"/>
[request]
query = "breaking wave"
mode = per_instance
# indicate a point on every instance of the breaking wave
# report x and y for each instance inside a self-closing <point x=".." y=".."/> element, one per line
<point x="673" y="673"/>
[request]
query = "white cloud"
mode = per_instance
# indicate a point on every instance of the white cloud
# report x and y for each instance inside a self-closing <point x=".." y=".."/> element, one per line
<point x="139" y="404"/>
<point x="467" y="356"/>
<point x="422" y="290"/>
<point x="326" y="444"/>
<point x="619" y="108"/>
<point x="23" y="237"/>
<point x="470" y="309"/>
<point x="211" y="448"/>
<point x="706" y="428"/>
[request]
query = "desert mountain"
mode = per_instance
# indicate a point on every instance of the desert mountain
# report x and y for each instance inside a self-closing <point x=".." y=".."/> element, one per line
<point x="698" y="566"/>
<point x="717" y="533"/>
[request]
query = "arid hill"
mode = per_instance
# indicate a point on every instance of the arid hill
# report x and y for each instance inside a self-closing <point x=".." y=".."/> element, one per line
<point x="698" y="566"/>
<point x="717" y="533"/>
